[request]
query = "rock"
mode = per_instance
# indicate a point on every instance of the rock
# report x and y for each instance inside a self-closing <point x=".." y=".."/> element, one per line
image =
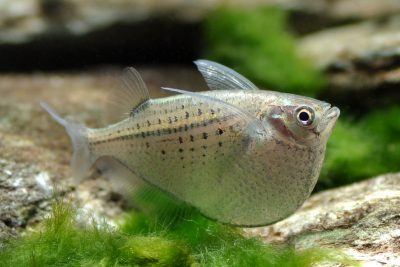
<point x="308" y="15"/>
<point x="361" y="61"/>
<point x="35" y="151"/>
<point x="27" y="19"/>
<point x="361" y="219"/>
<point x="34" y="32"/>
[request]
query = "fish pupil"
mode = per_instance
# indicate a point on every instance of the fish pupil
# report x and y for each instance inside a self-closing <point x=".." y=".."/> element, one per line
<point x="304" y="116"/>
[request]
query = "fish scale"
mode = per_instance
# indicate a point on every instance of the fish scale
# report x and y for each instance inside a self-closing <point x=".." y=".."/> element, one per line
<point x="240" y="155"/>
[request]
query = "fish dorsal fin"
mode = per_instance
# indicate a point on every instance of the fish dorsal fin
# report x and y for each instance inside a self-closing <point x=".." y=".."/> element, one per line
<point x="220" y="77"/>
<point x="252" y="125"/>
<point x="132" y="94"/>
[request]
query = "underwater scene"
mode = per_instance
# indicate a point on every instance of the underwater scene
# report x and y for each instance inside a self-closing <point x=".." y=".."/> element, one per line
<point x="200" y="133"/>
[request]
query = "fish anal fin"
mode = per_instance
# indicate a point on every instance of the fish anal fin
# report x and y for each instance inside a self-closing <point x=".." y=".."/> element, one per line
<point x="152" y="201"/>
<point x="122" y="179"/>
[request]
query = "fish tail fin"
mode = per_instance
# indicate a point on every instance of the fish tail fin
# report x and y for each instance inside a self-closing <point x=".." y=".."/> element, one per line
<point x="82" y="158"/>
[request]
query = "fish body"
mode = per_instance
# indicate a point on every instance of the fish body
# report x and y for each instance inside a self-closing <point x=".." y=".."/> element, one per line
<point x="240" y="155"/>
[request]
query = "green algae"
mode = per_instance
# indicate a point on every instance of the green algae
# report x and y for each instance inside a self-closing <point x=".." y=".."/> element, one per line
<point x="257" y="44"/>
<point x="143" y="241"/>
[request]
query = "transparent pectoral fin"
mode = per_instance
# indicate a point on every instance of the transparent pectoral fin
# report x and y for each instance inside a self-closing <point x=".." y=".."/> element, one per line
<point x="247" y="122"/>
<point x="220" y="77"/>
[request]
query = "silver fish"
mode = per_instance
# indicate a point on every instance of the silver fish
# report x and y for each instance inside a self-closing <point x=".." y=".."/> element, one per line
<point x="240" y="155"/>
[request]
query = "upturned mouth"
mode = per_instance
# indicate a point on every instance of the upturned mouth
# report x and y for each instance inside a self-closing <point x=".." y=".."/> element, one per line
<point x="333" y="112"/>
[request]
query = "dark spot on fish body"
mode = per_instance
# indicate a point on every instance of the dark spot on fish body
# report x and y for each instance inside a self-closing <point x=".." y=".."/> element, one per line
<point x="143" y="134"/>
<point x="163" y="152"/>
<point x="169" y="120"/>
<point x="159" y="121"/>
<point x="220" y="131"/>
<point x="175" y="119"/>
<point x="220" y="144"/>
<point x="147" y="144"/>
<point x="191" y="149"/>
<point x="148" y="123"/>
<point x="199" y="112"/>
<point x="180" y="140"/>
<point x="180" y="150"/>
<point x="186" y="115"/>
<point x="191" y="138"/>
<point x="205" y="136"/>
<point x="137" y="126"/>
<point x="212" y="112"/>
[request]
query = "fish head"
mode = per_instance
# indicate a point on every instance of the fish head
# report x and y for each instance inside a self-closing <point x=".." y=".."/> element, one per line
<point x="302" y="120"/>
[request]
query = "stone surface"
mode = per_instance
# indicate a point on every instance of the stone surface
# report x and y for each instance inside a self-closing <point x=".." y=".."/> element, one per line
<point x="361" y="61"/>
<point x="34" y="32"/>
<point x="35" y="151"/>
<point x="345" y="9"/>
<point x="362" y="220"/>
<point x="24" y="19"/>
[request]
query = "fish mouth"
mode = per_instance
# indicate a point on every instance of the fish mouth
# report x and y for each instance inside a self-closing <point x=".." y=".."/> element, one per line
<point x="329" y="118"/>
<point x="332" y="112"/>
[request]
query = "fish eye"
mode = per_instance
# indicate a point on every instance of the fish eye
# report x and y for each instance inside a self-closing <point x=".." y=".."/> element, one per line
<point x="305" y="116"/>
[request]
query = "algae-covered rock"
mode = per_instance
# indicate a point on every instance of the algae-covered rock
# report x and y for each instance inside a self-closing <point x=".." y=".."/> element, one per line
<point x="362" y="220"/>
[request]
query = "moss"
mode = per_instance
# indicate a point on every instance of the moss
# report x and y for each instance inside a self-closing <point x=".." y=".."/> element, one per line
<point x="191" y="241"/>
<point x="361" y="149"/>
<point x="156" y="251"/>
<point x="257" y="44"/>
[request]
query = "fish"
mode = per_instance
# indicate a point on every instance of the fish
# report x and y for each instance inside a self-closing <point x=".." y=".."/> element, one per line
<point x="238" y="154"/>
